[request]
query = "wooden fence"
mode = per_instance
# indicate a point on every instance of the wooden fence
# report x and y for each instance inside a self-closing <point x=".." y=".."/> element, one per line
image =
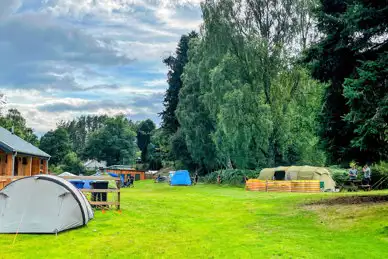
<point x="305" y="186"/>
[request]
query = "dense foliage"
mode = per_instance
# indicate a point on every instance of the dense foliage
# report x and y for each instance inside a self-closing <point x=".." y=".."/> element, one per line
<point x="175" y="64"/>
<point x="79" y="129"/>
<point x="57" y="144"/>
<point x="234" y="177"/>
<point x="352" y="57"/>
<point x="114" y="143"/>
<point x="144" y="133"/>
<point x="245" y="103"/>
<point x="14" y="119"/>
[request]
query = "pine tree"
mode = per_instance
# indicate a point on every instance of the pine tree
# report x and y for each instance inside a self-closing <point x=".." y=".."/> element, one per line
<point x="175" y="63"/>
<point x="352" y="51"/>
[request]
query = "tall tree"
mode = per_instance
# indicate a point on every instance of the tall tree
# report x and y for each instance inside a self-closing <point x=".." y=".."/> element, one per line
<point x="80" y="128"/>
<point x="57" y="144"/>
<point x="353" y="51"/>
<point x="14" y="119"/>
<point x="175" y="63"/>
<point x="114" y="143"/>
<point x="248" y="82"/>
<point x="144" y="133"/>
<point x="196" y="124"/>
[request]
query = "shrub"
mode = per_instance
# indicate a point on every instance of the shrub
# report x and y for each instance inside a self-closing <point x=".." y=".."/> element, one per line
<point x="338" y="174"/>
<point x="55" y="169"/>
<point x="231" y="176"/>
<point x="380" y="172"/>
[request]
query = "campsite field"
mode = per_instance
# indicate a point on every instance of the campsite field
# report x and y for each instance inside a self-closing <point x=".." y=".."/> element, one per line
<point x="204" y="221"/>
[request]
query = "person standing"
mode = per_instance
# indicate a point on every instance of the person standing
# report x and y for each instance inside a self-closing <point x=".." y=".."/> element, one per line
<point x="196" y="177"/>
<point x="219" y="179"/>
<point x="353" y="173"/>
<point x="131" y="181"/>
<point x="367" y="174"/>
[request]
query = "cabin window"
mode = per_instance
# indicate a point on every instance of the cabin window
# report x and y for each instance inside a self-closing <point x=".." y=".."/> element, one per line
<point x="41" y="161"/>
<point x="24" y="160"/>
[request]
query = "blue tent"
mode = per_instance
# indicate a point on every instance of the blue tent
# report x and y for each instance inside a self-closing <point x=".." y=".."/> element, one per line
<point x="181" y="177"/>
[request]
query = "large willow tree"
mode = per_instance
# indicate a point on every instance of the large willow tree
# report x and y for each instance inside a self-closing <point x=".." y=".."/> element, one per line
<point x="253" y="106"/>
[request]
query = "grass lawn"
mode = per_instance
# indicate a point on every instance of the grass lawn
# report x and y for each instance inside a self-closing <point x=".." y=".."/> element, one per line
<point x="159" y="221"/>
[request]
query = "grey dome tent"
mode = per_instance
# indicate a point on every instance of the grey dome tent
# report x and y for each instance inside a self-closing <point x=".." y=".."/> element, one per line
<point x="42" y="204"/>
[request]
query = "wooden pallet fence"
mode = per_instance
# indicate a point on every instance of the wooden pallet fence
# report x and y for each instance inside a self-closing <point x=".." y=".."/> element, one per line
<point x="112" y="199"/>
<point x="278" y="186"/>
<point x="112" y="195"/>
<point x="256" y="185"/>
<point x="312" y="186"/>
<point x="303" y="186"/>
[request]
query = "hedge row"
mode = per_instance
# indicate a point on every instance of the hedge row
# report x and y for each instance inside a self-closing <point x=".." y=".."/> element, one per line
<point x="231" y="176"/>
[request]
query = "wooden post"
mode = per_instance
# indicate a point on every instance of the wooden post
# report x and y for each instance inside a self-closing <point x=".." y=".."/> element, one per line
<point x="118" y="199"/>
<point x="45" y="167"/>
<point x="30" y="165"/>
<point x="9" y="165"/>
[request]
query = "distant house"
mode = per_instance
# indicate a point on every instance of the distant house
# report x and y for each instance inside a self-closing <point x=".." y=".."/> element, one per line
<point x="20" y="158"/>
<point x="91" y="165"/>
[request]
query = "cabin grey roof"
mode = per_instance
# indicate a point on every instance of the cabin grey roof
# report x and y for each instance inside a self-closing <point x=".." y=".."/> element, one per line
<point x="120" y="167"/>
<point x="11" y="143"/>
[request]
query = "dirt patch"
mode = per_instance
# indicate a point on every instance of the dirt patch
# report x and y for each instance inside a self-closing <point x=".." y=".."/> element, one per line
<point x="357" y="199"/>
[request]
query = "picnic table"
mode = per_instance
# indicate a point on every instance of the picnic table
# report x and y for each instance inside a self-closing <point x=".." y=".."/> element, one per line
<point x="354" y="186"/>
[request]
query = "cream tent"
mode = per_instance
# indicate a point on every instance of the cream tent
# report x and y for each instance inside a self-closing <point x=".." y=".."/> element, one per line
<point x="299" y="173"/>
<point x="42" y="204"/>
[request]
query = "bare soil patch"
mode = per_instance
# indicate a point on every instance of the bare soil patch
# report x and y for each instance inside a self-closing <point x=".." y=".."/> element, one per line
<point x="357" y="199"/>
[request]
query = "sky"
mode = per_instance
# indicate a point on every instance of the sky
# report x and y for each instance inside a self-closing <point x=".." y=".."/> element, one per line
<point x="60" y="59"/>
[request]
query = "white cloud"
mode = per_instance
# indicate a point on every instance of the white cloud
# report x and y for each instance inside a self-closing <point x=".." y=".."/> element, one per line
<point x="173" y="18"/>
<point x="8" y="7"/>
<point x="156" y="83"/>
<point x="65" y="58"/>
<point x="146" y="51"/>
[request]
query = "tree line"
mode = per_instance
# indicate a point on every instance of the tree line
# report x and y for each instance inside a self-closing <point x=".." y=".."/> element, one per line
<point x="115" y="140"/>
<point x="267" y="83"/>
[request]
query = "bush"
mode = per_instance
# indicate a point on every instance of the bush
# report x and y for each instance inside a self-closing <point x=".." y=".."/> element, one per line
<point x="55" y="169"/>
<point x="339" y="175"/>
<point x="231" y="176"/>
<point x="380" y="171"/>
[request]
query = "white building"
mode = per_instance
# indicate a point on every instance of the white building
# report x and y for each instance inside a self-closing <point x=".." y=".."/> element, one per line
<point x="92" y="165"/>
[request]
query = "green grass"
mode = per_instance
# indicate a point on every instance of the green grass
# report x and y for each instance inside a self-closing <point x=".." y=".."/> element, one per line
<point x="204" y="221"/>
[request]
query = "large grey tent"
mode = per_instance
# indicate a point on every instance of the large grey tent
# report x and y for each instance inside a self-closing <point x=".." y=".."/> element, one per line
<point x="42" y="204"/>
<point x="299" y="173"/>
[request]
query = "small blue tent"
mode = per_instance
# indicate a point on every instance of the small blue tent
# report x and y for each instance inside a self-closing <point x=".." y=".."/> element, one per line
<point x="181" y="177"/>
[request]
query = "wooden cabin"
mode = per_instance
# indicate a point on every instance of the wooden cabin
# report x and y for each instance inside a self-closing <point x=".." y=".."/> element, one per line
<point x="126" y="171"/>
<point x="19" y="158"/>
